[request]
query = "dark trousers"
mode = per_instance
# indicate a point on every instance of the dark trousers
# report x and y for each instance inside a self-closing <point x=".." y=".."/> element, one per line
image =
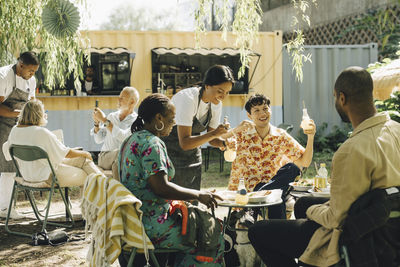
<point x="279" y="242"/>
<point x="281" y="180"/>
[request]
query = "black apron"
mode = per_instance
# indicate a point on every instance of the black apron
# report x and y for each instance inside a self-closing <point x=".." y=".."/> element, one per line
<point x="187" y="163"/>
<point x="16" y="100"/>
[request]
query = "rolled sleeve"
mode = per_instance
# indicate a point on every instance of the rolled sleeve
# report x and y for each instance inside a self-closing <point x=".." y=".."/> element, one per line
<point x="293" y="149"/>
<point x="185" y="109"/>
<point x="100" y="136"/>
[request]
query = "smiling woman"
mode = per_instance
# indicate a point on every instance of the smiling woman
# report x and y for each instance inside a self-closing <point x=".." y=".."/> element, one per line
<point x="198" y="110"/>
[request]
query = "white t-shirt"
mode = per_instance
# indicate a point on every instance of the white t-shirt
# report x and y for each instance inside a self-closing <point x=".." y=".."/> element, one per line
<point x="88" y="86"/>
<point x="121" y="130"/>
<point x="38" y="170"/>
<point x="187" y="106"/>
<point x="7" y="79"/>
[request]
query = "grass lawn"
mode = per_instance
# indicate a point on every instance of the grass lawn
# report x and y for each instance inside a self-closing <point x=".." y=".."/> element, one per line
<point x="213" y="178"/>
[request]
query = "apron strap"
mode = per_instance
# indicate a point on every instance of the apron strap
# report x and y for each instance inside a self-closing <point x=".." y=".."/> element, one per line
<point x="198" y="105"/>
<point x="15" y="75"/>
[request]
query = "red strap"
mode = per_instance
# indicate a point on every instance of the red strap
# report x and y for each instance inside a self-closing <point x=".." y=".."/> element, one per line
<point x="178" y="204"/>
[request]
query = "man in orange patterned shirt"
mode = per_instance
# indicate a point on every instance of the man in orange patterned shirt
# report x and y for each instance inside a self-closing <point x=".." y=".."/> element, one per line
<point x="268" y="157"/>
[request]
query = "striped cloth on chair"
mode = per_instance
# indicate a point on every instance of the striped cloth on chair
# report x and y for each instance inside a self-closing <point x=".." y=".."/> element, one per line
<point x="113" y="215"/>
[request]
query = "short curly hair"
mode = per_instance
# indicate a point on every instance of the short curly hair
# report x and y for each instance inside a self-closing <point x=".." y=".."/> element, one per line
<point x="256" y="100"/>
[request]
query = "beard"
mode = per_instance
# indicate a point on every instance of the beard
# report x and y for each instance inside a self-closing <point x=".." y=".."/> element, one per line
<point x="341" y="113"/>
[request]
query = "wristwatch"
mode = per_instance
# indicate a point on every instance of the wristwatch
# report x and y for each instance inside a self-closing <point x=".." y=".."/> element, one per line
<point x="107" y="123"/>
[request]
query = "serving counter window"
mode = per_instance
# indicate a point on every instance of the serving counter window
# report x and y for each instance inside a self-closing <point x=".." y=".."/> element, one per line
<point x="174" y="69"/>
<point x="108" y="73"/>
<point x="115" y="72"/>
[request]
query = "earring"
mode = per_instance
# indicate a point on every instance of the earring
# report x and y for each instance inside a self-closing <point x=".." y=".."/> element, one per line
<point x="161" y="128"/>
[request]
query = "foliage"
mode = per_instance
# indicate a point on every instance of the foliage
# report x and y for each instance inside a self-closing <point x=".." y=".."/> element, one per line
<point x="381" y="22"/>
<point x="132" y="17"/>
<point x="377" y="65"/>
<point x="22" y="30"/>
<point x="324" y="142"/>
<point x="391" y="105"/>
<point x="245" y="26"/>
<point x="295" y="47"/>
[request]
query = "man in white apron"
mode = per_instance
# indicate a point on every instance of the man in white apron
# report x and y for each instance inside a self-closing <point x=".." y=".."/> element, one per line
<point x="17" y="86"/>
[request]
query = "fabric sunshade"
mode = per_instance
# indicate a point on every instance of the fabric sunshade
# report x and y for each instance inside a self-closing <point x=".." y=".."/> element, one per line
<point x="201" y="51"/>
<point x="105" y="50"/>
<point x="386" y="80"/>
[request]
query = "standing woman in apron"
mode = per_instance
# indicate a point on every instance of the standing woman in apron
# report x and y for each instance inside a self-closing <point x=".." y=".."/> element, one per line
<point x="197" y="110"/>
<point x="17" y="86"/>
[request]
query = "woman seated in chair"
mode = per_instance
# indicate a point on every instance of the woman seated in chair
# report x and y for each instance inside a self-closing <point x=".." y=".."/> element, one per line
<point x="71" y="166"/>
<point x="146" y="171"/>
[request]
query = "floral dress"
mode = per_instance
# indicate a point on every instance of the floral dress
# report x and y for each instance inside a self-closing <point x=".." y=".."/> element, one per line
<point x="145" y="155"/>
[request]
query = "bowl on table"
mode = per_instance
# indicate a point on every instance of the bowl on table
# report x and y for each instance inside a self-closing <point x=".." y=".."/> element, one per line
<point x="259" y="196"/>
<point x="320" y="192"/>
<point x="302" y="185"/>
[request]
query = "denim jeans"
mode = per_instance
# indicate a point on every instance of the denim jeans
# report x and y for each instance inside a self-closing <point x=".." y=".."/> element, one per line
<point x="285" y="175"/>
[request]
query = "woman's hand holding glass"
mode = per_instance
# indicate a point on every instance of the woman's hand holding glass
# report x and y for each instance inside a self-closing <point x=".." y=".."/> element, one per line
<point x="221" y="129"/>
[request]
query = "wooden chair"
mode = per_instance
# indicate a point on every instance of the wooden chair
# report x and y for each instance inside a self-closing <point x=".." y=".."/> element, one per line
<point x="32" y="153"/>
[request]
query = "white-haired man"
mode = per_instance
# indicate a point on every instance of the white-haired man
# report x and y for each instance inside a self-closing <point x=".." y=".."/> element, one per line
<point x="112" y="130"/>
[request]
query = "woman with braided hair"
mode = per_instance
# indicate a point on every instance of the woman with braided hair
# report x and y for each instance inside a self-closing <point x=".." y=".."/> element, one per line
<point x="146" y="170"/>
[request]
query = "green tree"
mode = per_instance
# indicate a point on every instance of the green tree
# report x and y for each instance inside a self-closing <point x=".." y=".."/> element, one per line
<point x="21" y="29"/>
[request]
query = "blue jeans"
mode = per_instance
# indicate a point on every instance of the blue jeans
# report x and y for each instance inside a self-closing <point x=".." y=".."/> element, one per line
<point x="285" y="175"/>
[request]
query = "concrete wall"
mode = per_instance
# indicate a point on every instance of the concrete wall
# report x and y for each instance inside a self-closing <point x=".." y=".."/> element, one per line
<point x="327" y="10"/>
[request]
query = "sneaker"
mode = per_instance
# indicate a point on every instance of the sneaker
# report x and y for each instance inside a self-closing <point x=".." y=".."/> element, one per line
<point x="15" y="215"/>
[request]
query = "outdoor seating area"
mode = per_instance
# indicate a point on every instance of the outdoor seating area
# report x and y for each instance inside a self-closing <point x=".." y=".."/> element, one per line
<point x="166" y="133"/>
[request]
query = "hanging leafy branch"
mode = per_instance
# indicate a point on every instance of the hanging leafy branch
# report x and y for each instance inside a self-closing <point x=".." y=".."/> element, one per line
<point x="21" y="29"/>
<point x="295" y="47"/>
<point x="245" y="26"/>
<point x="202" y="15"/>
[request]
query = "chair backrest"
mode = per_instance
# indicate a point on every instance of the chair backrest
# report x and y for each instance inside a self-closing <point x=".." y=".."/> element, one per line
<point x="377" y="212"/>
<point x="28" y="153"/>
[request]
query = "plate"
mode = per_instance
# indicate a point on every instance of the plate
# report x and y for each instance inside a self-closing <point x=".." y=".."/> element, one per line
<point x="301" y="187"/>
<point x="325" y="193"/>
<point x="227" y="195"/>
<point x="259" y="197"/>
